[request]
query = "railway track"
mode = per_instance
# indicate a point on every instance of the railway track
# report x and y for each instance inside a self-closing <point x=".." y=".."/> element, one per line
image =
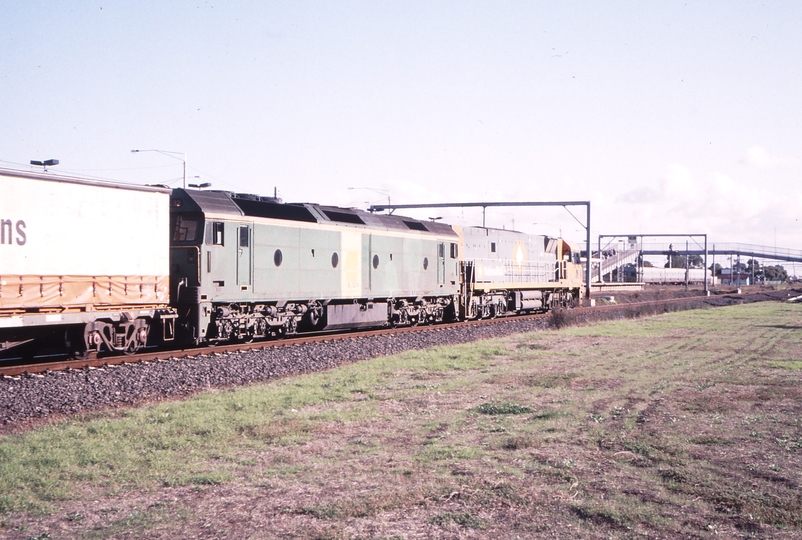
<point x="167" y="354"/>
<point x="43" y="392"/>
<point x="161" y="355"/>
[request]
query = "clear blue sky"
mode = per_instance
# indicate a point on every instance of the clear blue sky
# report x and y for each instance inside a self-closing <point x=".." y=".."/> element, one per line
<point x="669" y="116"/>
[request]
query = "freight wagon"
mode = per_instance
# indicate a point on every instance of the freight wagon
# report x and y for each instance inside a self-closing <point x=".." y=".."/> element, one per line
<point x="655" y="275"/>
<point x="83" y="262"/>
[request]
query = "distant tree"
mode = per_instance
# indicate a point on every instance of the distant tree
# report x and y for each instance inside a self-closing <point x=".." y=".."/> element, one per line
<point x="696" y="261"/>
<point x="753" y="267"/>
<point x="716" y="268"/>
<point x="775" y="273"/>
<point x="675" y="261"/>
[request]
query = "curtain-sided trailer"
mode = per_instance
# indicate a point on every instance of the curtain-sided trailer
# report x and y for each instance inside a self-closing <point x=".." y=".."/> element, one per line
<point x="82" y="262"/>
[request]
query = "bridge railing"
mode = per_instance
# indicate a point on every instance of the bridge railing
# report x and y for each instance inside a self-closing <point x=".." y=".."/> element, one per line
<point x="727" y="248"/>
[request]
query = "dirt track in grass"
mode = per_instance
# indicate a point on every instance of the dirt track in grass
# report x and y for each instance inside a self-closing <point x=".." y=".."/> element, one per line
<point x="684" y="425"/>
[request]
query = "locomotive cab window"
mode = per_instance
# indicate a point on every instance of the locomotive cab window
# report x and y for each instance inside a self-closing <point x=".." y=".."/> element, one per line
<point x="244" y="237"/>
<point x="186" y="229"/>
<point x="454" y="251"/>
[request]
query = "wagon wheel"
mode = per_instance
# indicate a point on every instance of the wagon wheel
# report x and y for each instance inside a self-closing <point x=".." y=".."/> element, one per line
<point x="136" y="341"/>
<point x="75" y="344"/>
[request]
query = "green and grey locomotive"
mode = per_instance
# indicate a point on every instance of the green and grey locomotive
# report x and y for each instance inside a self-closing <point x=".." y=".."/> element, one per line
<point x="245" y="267"/>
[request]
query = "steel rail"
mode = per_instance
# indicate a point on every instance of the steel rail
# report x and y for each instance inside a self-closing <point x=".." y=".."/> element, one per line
<point x="163" y="355"/>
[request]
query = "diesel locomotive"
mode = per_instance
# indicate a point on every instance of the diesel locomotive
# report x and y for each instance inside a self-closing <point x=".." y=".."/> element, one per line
<point x="102" y="266"/>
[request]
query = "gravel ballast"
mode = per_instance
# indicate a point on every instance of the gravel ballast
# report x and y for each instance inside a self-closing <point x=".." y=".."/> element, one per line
<point x="52" y="394"/>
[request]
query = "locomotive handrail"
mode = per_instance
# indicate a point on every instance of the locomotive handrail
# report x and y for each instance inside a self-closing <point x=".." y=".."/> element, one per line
<point x="515" y="272"/>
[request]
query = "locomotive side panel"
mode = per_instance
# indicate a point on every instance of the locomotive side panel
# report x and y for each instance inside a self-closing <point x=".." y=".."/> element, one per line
<point x="247" y="261"/>
<point x="419" y="265"/>
<point x="320" y="263"/>
<point x="501" y="258"/>
<point x="384" y="265"/>
<point x="409" y="265"/>
<point x="295" y="262"/>
<point x="277" y="262"/>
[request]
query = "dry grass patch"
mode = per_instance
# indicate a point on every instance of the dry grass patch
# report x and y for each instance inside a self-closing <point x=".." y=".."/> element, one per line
<point x="685" y="425"/>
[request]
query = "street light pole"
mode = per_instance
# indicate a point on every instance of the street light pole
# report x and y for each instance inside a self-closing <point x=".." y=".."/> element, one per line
<point x="168" y="153"/>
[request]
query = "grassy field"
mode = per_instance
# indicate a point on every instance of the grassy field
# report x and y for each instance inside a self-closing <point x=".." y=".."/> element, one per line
<point x="684" y="425"/>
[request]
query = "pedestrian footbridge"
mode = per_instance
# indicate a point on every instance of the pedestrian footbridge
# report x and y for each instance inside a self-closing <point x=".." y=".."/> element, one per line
<point x="616" y="255"/>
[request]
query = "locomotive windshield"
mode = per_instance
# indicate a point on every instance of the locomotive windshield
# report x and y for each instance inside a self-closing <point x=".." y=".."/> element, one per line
<point x="186" y="229"/>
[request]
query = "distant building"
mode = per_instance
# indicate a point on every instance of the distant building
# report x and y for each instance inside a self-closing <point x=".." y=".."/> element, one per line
<point x="727" y="277"/>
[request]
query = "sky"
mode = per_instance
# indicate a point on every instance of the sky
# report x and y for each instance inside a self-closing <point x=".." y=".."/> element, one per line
<point x="668" y="116"/>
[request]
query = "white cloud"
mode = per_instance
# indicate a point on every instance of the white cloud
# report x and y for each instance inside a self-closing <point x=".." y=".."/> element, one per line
<point x="757" y="156"/>
<point x="678" y="184"/>
<point x="680" y="201"/>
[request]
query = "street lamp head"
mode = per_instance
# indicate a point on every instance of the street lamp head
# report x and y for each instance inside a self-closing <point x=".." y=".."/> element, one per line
<point x="45" y="164"/>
